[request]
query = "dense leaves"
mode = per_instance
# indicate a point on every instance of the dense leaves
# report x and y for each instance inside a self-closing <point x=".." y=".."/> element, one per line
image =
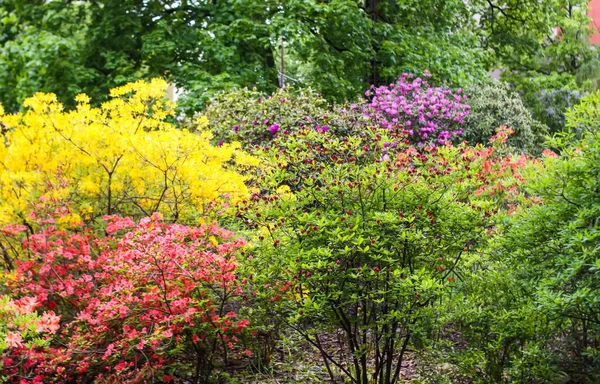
<point x="555" y="245"/>
<point x="254" y="118"/>
<point x="373" y="236"/>
<point x="495" y="104"/>
<point x="584" y="117"/>
<point x="339" y="47"/>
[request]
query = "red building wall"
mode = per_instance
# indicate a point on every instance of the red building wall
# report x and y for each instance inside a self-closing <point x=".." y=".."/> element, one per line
<point x="594" y="14"/>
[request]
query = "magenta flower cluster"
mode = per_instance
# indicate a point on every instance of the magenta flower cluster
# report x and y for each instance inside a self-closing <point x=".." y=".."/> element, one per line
<point x="427" y="115"/>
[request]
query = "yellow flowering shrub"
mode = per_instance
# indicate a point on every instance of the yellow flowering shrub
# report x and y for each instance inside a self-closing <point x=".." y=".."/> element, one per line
<point x="121" y="158"/>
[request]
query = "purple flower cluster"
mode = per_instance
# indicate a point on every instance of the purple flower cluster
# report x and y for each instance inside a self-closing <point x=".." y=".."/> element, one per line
<point x="427" y="115"/>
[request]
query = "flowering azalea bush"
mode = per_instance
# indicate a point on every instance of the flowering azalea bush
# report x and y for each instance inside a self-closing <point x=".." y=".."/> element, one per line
<point x="362" y="236"/>
<point x="426" y="114"/>
<point x="121" y="158"/>
<point x="149" y="302"/>
<point x="22" y="325"/>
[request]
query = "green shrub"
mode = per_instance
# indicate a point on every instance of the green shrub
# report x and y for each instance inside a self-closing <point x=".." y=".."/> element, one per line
<point x="585" y="116"/>
<point x="495" y="104"/>
<point x="251" y="117"/>
<point x="555" y="245"/>
<point x="548" y="97"/>
<point x="361" y="236"/>
<point x="490" y="331"/>
<point x="531" y="314"/>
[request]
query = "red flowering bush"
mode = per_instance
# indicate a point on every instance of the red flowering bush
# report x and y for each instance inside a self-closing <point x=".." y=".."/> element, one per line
<point x="149" y="302"/>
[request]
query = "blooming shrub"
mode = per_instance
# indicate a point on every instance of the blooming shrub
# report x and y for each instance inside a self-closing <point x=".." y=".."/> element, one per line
<point x="21" y="327"/>
<point x="122" y="158"/>
<point x="149" y="302"/>
<point x="362" y="236"/>
<point x="21" y="324"/>
<point x="252" y="117"/>
<point x="426" y="114"/>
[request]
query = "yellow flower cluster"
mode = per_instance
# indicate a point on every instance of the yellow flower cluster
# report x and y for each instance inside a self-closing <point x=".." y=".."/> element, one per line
<point x="121" y="158"/>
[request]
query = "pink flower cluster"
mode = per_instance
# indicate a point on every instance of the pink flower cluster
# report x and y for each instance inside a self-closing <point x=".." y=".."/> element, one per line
<point x="426" y="115"/>
<point x="126" y="302"/>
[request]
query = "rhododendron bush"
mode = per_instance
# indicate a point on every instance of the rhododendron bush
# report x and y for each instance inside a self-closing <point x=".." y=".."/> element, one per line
<point x="252" y="117"/>
<point x="148" y="302"/>
<point x="426" y="114"/>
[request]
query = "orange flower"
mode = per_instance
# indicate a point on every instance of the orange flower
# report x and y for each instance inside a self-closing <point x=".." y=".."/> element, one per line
<point x="549" y="153"/>
<point x="14" y="340"/>
<point x="48" y="323"/>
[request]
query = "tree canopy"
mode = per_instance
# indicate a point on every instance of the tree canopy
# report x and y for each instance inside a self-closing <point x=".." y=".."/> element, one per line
<point x="339" y="47"/>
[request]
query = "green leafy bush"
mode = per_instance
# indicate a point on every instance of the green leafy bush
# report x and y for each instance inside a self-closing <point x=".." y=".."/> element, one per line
<point x="495" y="104"/>
<point x="585" y="116"/>
<point x="531" y="313"/>
<point x="372" y="238"/>
<point x="555" y="245"/>
<point x="252" y="117"/>
<point x="548" y="97"/>
<point x="490" y="331"/>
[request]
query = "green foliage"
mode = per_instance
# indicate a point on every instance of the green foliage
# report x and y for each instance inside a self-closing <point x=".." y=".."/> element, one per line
<point x="567" y="249"/>
<point x="373" y="236"/>
<point x="588" y="75"/>
<point x="543" y="50"/>
<point x="585" y="116"/>
<point x="490" y="331"/>
<point x="548" y="97"/>
<point x="39" y="50"/>
<point x="527" y="310"/>
<point x="72" y="47"/>
<point x="494" y="104"/>
<point x="246" y="115"/>
<point x="338" y="47"/>
<point x="536" y="37"/>
<point x="345" y="45"/>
